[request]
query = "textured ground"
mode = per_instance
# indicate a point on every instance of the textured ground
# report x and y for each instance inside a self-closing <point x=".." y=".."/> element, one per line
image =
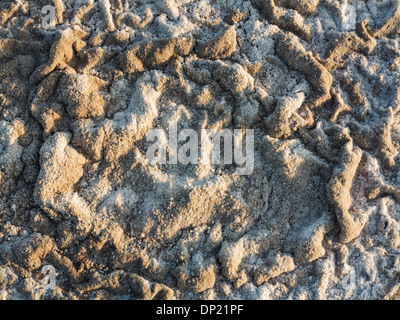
<point x="319" y="217"/>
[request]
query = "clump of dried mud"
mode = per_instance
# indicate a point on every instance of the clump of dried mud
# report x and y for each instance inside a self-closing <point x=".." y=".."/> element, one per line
<point x="317" y="219"/>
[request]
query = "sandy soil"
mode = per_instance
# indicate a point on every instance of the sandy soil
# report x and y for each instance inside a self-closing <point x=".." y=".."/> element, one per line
<point x="317" y="218"/>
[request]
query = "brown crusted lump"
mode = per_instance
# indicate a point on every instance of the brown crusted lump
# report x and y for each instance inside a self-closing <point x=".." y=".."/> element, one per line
<point x="221" y="47"/>
<point x="155" y="53"/>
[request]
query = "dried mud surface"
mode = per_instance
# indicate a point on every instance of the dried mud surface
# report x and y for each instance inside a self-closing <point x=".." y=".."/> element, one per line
<point x="77" y="192"/>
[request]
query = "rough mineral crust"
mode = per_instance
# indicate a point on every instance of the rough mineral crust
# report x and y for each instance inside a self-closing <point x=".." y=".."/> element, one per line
<point x="317" y="218"/>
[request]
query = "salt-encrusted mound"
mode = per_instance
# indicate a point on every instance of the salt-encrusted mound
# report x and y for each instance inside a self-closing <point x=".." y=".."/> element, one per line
<point x="316" y="218"/>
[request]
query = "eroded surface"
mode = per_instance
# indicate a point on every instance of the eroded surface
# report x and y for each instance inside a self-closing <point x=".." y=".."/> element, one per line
<point x="78" y="193"/>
